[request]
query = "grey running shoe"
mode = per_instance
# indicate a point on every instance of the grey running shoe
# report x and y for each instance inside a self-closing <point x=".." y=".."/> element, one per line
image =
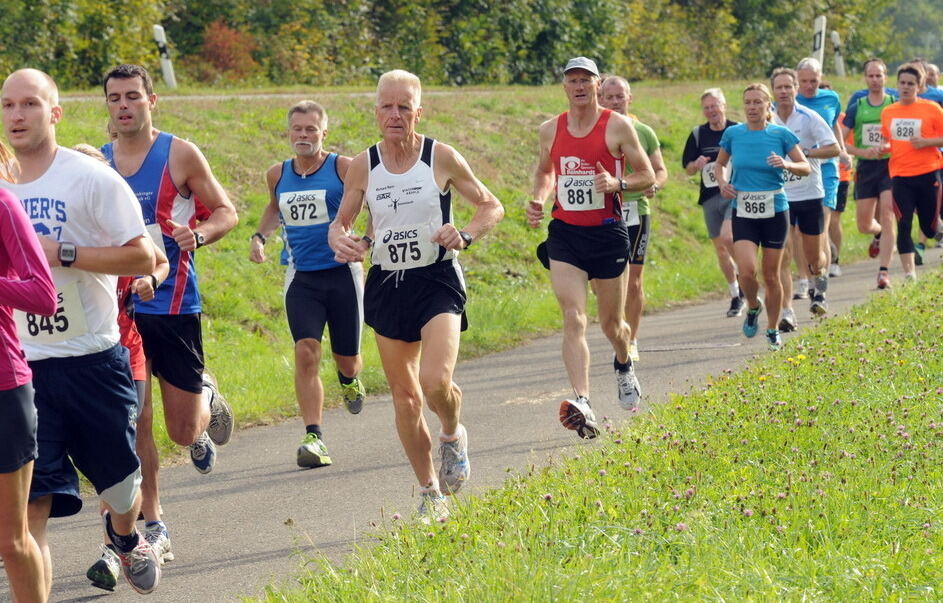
<point x="454" y="469"/>
<point x="578" y="415"/>
<point x="203" y="453"/>
<point x="628" y="388"/>
<point x="157" y="535"/>
<point x="736" y="307"/>
<point x="140" y="565"/>
<point x="104" y="572"/>
<point x="354" y="393"/>
<point x="432" y="506"/>
<point x="221" y="419"/>
<point x="313" y="452"/>
<point x="787" y="320"/>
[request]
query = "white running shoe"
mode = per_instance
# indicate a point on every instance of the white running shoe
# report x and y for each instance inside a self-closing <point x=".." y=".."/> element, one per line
<point x="834" y="270"/>
<point x="787" y="320"/>
<point x="157" y="535"/>
<point x="454" y="468"/>
<point x="578" y="415"/>
<point x="628" y="388"/>
<point x="432" y="506"/>
<point x="105" y="571"/>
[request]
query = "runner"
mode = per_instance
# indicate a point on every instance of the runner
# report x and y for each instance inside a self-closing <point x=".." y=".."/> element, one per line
<point x="700" y="152"/>
<point x="933" y="76"/>
<point x="805" y="193"/>
<point x="415" y="292"/>
<point x="582" y="154"/>
<point x="616" y="94"/>
<point x="835" y="234"/>
<point x="913" y="129"/>
<point x="817" y="95"/>
<point x="165" y="172"/>
<point x="872" y="180"/>
<point x="89" y="227"/>
<point x="755" y="150"/>
<point x="26" y="286"/>
<point x="105" y="571"/>
<point x="304" y="194"/>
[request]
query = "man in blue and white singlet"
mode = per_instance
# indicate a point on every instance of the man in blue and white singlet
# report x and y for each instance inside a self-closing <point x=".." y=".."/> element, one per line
<point x="304" y="194"/>
<point x="415" y="292"/>
<point x="167" y="174"/>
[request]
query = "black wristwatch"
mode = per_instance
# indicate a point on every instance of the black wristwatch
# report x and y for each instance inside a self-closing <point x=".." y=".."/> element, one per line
<point x="153" y="281"/>
<point x="368" y="240"/>
<point x="623" y="185"/>
<point x="466" y="237"/>
<point x="200" y="239"/>
<point x="66" y="254"/>
<point x="259" y="236"/>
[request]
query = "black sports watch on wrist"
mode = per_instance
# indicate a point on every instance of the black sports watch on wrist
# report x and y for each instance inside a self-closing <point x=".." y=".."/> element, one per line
<point x="66" y="254"/>
<point x="467" y="238"/>
<point x="623" y="185"/>
<point x="200" y="239"/>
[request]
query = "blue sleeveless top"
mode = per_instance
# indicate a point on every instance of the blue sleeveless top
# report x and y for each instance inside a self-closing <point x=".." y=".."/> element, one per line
<point x="306" y="207"/>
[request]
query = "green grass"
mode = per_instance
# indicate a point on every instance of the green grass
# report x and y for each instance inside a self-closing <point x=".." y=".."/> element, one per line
<point x="246" y="338"/>
<point x="814" y="474"/>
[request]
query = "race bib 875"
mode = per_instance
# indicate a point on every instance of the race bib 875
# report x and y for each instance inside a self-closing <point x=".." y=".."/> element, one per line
<point x="405" y="247"/>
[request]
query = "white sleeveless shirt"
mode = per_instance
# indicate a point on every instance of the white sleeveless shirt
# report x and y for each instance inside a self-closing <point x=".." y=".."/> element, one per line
<point x="407" y="209"/>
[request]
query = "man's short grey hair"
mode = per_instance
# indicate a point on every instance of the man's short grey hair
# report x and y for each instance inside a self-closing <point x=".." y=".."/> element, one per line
<point x="618" y="79"/>
<point x="810" y="63"/>
<point x="716" y="93"/>
<point x="401" y="76"/>
<point x="309" y="106"/>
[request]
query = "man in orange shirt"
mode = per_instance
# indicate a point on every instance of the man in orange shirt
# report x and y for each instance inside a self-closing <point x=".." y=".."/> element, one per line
<point x="913" y="128"/>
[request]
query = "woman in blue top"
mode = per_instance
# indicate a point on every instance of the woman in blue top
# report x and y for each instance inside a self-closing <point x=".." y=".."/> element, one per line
<point x="756" y="150"/>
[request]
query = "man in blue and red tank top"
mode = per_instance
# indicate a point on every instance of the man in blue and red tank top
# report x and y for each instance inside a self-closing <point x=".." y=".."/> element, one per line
<point x="167" y="174"/>
<point x="583" y="153"/>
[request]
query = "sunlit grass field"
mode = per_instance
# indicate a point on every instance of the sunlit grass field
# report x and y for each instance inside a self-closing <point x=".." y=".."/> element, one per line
<point x="814" y="474"/>
<point x="246" y="336"/>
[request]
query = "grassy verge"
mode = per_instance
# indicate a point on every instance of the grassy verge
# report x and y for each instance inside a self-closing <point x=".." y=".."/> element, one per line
<point x="246" y="338"/>
<point x="813" y="474"/>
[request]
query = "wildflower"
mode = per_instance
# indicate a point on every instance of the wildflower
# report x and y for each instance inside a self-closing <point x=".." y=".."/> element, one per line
<point x="748" y="512"/>
<point x="397" y="516"/>
<point x="548" y="496"/>
<point x="681" y="527"/>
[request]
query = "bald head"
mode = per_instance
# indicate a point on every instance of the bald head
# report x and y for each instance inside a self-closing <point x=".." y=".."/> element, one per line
<point x="39" y="81"/>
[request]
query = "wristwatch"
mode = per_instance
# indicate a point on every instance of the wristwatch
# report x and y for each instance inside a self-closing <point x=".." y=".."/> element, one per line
<point x="623" y="185"/>
<point x="368" y="240"/>
<point x="258" y="235"/>
<point x="200" y="239"/>
<point x="467" y="238"/>
<point x="66" y="254"/>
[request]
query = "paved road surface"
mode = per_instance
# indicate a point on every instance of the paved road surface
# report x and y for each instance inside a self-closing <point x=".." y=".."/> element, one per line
<point x="242" y="527"/>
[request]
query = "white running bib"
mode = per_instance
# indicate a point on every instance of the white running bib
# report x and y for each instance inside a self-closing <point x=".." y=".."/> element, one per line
<point x="405" y="247"/>
<point x="67" y="323"/>
<point x="905" y="129"/>
<point x="157" y="237"/>
<point x="303" y="208"/>
<point x="871" y="135"/>
<point x="577" y="193"/>
<point x="793" y="180"/>
<point x="708" y="177"/>
<point x="630" y="213"/>
<point x="756" y="204"/>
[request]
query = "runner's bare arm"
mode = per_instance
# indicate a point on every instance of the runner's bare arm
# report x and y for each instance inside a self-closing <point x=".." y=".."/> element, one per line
<point x="543" y="175"/>
<point x="826" y="152"/>
<point x="269" y="220"/>
<point x="349" y="247"/>
<point x="133" y="258"/>
<point x="661" y="173"/>
<point x="726" y="189"/>
<point x="799" y="165"/>
<point x="642" y="176"/>
<point x="452" y="170"/>
<point x="144" y="286"/>
<point x="193" y="176"/>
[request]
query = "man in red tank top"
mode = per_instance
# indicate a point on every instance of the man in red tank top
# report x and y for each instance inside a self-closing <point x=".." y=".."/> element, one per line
<point x="582" y="161"/>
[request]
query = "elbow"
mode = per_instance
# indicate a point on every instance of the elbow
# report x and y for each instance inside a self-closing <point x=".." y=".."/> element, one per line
<point x="498" y="211"/>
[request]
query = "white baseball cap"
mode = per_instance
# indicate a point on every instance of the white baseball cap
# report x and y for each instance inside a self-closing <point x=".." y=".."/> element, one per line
<point x="582" y="63"/>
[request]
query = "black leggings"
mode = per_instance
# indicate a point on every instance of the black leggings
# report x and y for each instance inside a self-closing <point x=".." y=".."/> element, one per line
<point x="916" y="193"/>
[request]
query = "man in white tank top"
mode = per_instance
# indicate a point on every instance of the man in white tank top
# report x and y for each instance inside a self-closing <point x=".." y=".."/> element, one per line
<point x="415" y="293"/>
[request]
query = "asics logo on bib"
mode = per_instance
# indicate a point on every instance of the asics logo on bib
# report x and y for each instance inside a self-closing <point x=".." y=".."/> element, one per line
<point x="302" y="197"/>
<point x="43" y="208"/>
<point x="578" y="182"/>
<point x="403" y="235"/>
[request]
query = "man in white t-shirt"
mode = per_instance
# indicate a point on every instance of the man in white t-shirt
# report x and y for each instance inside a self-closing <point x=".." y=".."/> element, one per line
<point x="805" y="193"/>
<point x="90" y="227"/>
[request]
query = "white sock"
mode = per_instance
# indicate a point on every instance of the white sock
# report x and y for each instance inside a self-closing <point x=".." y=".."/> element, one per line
<point x="733" y="289"/>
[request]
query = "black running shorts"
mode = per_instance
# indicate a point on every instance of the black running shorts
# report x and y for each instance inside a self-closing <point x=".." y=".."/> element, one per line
<point x="333" y="297"/>
<point x="174" y="345"/>
<point x="808" y="215"/>
<point x="769" y="233"/>
<point x="599" y="251"/>
<point x="871" y="179"/>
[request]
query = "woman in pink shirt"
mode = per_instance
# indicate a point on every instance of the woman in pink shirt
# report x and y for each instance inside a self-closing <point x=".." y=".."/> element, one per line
<point x="25" y="285"/>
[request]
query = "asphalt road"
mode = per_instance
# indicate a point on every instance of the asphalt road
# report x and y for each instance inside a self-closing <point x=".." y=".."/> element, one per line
<point x="252" y="521"/>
